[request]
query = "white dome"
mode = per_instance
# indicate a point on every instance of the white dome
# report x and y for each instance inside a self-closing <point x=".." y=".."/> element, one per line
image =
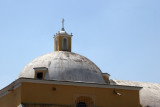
<point x="63" y="32"/>
<point x="65" y="66"/>
<point x="149" y="94"/>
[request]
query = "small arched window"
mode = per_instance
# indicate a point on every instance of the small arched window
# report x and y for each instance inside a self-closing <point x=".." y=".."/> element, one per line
<point x="56" y="43"/>
<point x="81" y="104"/>
<point x="65" y="44"/>
<point x="84" y="101"/>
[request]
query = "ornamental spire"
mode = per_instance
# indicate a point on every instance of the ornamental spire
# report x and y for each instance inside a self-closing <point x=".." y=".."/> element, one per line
<point x="62" y="40"/>
<point x="63" y="25"/>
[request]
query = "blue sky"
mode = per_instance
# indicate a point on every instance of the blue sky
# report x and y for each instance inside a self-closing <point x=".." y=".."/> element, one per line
<point x="121" y="36"/>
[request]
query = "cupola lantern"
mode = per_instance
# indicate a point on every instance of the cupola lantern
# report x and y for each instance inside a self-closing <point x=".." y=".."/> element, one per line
<point x="62" y="40"/>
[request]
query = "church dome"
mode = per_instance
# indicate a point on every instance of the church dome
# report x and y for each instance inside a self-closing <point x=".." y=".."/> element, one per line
<point x="65" y="66"/>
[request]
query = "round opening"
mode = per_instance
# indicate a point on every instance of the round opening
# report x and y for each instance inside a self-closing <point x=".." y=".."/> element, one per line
<point x="81" y="104"/>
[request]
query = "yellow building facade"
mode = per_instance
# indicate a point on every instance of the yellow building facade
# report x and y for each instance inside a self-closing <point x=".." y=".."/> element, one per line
<point x="66" y="79"/>
<point x="43" y="93"/>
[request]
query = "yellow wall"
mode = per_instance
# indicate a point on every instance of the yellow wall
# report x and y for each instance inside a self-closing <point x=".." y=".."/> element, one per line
<point x="35" y="93"/>
<point x="12" y="99"/>
<point x="60" y="43"/>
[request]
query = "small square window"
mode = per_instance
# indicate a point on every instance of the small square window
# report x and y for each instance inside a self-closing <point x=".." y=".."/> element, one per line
<point x="40" y="72"/>
<point x="39" y="75"/>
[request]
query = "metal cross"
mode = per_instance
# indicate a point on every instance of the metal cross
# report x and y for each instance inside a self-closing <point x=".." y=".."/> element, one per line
<point x="63" y="23"/>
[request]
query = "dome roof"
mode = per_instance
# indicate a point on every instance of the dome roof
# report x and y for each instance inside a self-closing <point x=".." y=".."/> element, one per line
<point x="65" y="66"/>
<point x="149" y="94"/>
<point x="63" y="32"/>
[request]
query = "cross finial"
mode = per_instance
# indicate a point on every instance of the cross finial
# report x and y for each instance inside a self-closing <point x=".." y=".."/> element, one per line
<point x="63" y="23"/>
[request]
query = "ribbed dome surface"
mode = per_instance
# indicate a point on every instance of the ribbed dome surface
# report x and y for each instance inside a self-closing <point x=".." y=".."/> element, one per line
<point x="65" y="66"/>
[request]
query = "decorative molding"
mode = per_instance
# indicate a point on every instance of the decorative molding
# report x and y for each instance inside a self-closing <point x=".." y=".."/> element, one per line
<point x="19" y="81"/>
<point x="8" y="89"/>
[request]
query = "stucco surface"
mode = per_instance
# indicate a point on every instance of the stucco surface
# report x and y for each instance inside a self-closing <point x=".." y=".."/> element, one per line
<point x="65" y="66"/>
<point x="149" y="94"/>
